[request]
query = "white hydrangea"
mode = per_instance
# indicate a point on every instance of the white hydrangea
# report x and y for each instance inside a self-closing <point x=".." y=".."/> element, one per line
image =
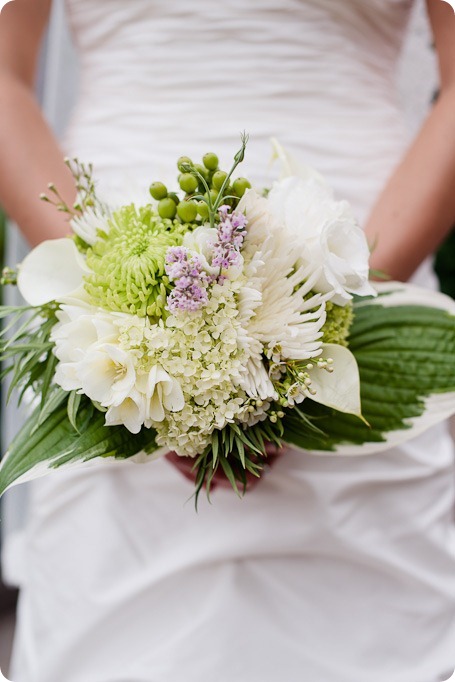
<point x="207" y="352"/>
<point x="185" y="376"/>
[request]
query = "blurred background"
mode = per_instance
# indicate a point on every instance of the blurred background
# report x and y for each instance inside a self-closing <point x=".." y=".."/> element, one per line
<point x="56" y="87"/>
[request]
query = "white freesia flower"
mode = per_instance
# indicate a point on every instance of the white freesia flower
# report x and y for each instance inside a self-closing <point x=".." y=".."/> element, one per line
<point x="325" y="233"/>
<point x="91" y="361"/>
<point x="107" y="374"/>
<point x="161" y="392"/>
<point x="53" y="270"/>
<point x="92" y="220"/>
<point x="79" y="327"/>
<point x="130" y="413"/>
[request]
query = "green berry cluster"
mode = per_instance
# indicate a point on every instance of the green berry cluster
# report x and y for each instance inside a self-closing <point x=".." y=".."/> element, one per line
<point x="205" y="188"/>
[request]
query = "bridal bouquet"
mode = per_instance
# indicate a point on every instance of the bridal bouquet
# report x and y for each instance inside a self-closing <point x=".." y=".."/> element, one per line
<point x="213" y="321"/>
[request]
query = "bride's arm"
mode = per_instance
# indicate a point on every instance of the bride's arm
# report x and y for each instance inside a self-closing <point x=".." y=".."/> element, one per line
<point x="417" y="207"/>
<point x="30" y="156"/>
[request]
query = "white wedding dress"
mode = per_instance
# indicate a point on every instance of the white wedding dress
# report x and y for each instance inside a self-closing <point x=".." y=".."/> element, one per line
<point x="332" y="569"/>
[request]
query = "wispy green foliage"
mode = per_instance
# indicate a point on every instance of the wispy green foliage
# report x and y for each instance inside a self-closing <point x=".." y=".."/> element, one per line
<point x="54" y="442"/>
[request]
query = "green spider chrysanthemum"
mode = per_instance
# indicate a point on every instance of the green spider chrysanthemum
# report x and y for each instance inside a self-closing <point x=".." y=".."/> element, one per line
<point x="337" y="324"/>
<point x="128" y="262"/>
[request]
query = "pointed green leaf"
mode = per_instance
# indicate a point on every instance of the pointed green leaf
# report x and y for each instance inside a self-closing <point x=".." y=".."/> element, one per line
<point x="55" y="443"/>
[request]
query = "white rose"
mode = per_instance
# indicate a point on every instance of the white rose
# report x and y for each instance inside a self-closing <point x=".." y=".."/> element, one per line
<point x="326" y="234"/>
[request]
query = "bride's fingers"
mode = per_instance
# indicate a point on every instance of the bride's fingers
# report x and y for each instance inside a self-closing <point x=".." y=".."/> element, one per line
<point x="185" y="467"/>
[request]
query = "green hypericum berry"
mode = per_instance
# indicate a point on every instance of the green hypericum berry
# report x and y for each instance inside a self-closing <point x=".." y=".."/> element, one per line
<point x="218" y="178"/>
<point x="203" y="210"/>
<point x="187" y="211"/>
<point x="188" y="183"/>
<point x="174" y="197"/>
<point x="202" y="170"/>
<point x="182" y="162"/>
<point x="213" y="195"/>
<point x="167" y="208"/>
<point x="240" y="186"/>
<point x="210" y="161"/>
<point x="158" y="190"/>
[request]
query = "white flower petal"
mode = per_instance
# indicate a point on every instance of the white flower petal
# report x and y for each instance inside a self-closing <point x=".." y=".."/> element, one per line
<point x="129" y="413"/>
<point x="55" y="268"/>
<point x="279" y="314"/>
<point x="155" y="407"/>
<point x="66" y="376"/>
<point x="290" y="165"/>
<point x="256" y="381"/>
<point x="325" y="234"/>
<point x="97" y="374"/>
<point x="161" y="391"/>
<point x="93" y="220"/>
<point x="201" y="241"/>
<point x="173" y="399"/>
<point x="339" y="389"/>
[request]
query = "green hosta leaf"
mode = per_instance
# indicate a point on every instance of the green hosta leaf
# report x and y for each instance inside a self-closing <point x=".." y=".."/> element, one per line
<point x="404" y="344"/>
<point x="54" y="442"/>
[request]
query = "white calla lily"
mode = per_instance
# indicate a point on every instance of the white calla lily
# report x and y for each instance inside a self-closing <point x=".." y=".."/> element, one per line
<point x="54" y="269"/>
<point x="291" y="167"/>
<point x="339" y="389"/>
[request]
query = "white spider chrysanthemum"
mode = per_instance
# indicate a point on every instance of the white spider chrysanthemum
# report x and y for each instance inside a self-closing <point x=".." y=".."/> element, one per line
<point x="281" y="315"/>
<point x="93" y="220"/>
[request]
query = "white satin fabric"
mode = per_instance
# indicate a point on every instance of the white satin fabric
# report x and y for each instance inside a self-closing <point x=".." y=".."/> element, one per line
<point x="332" y="569"/>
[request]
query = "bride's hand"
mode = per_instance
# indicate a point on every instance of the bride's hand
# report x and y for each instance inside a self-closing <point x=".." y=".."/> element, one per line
<point x="185" y="466"/>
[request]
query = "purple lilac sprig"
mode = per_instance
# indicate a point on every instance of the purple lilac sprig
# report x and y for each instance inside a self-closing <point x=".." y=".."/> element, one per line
<point x="187" y="273"/>
<point x="231" y="233"/>
<point x="186" y="269"/>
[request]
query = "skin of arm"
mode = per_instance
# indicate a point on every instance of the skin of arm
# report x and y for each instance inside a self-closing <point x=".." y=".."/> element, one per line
<point x="416" y="209"/>
<point x="30" y="156"/>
